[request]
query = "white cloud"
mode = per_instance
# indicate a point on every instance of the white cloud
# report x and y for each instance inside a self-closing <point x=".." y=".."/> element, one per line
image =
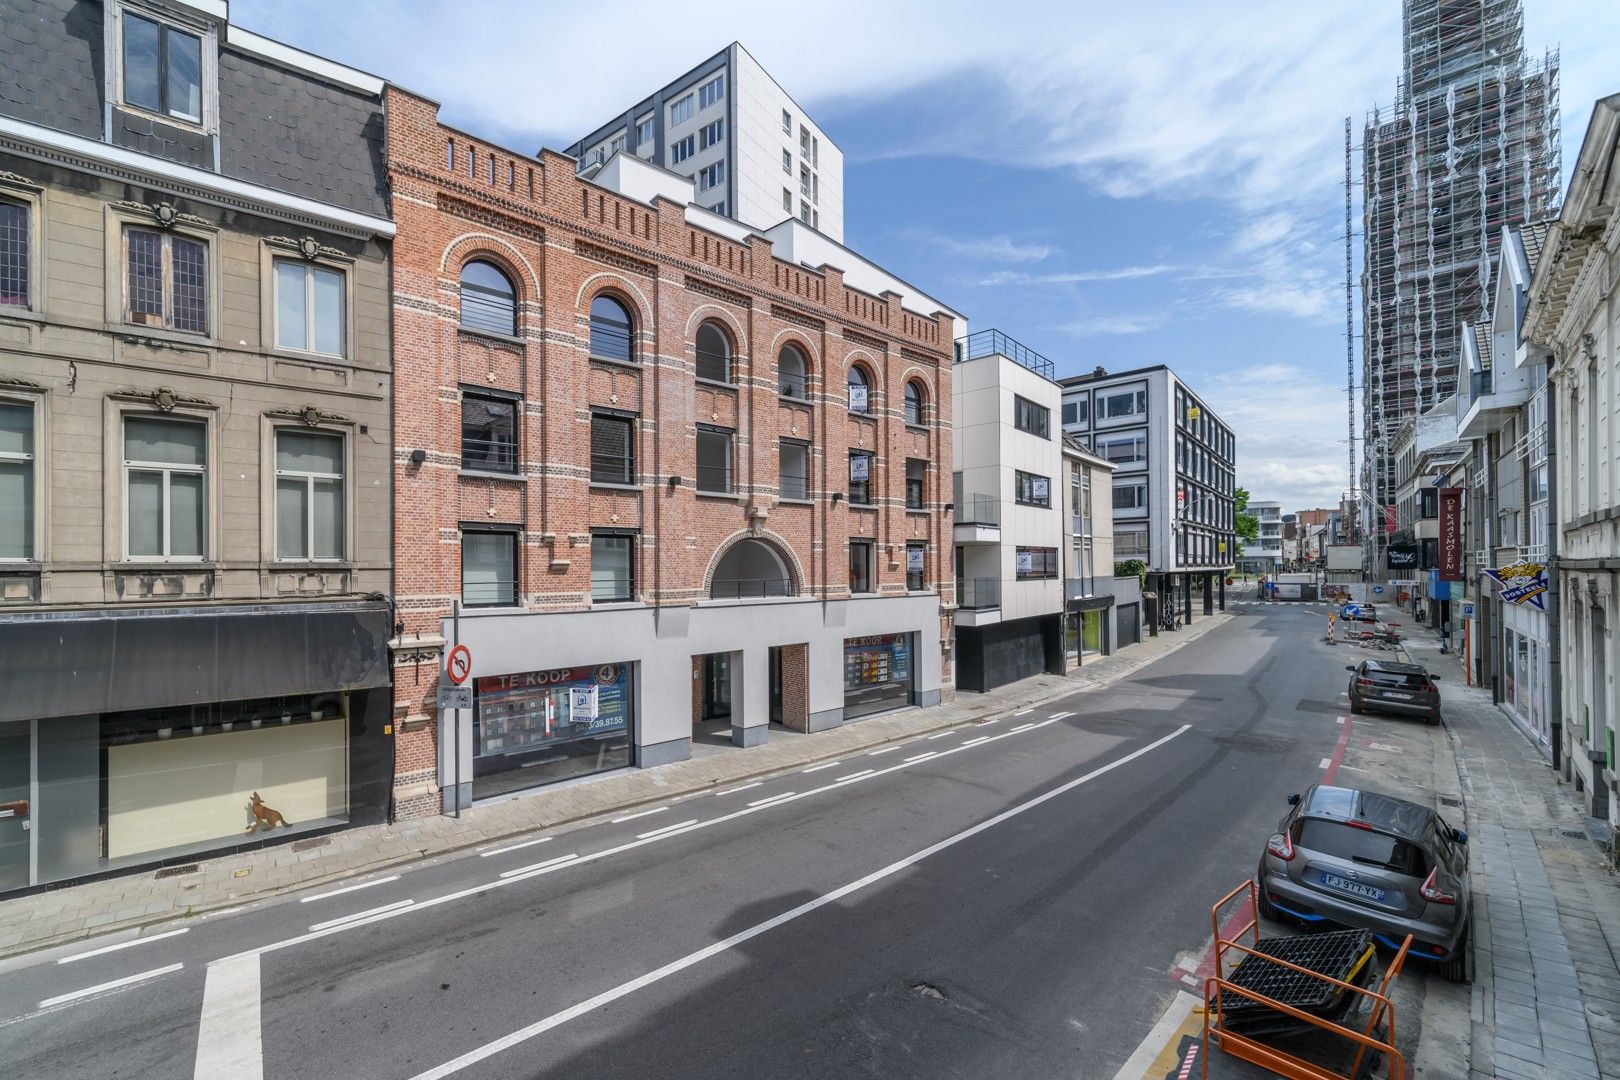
<point x="999" y="248"/>
<point x="1123" y="273"/>
<point x="1291" y="425"/>
<point x="1099" y="325"/>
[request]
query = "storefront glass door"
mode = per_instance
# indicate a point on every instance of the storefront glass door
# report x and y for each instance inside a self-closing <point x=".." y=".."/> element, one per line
<point x="717" y="686"/>
<point x="16" y="821"/>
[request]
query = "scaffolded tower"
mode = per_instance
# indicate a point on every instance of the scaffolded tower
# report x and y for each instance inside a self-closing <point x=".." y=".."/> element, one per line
<point x="1470" y="145"/>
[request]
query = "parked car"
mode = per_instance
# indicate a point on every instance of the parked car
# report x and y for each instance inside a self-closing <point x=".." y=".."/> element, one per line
<point x="1394" y="687"/>
<point x="1347" y="857"/>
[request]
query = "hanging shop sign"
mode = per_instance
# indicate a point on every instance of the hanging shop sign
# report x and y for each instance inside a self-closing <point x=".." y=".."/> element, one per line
<point x="1403" y="557"/>
<point x="1451" y="535"/>
<point x="1522" y="583"/>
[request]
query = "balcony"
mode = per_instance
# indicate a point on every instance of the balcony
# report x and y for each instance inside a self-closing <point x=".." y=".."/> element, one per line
<point x="978" y="601"/>
<point x="1484" y="406"/>
<point x="978" y="519"/>
<point x="995" y="343"/>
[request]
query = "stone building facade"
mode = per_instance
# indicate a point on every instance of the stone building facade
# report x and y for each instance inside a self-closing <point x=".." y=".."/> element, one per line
<point x="194" y="440"/>
<point x="667" y="478"/>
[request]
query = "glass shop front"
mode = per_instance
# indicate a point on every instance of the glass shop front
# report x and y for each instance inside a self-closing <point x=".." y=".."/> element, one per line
<point x="538" y="727"/>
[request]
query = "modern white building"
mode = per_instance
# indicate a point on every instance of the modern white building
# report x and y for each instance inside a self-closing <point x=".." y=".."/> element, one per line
<point x="1173" y="479"/>
<point x="1101" y="612"/>
<point x="750" y="150"/>
<point x="1574" y="299"/>
<point x="1265" y="554"/>
<point x="1010" y="529"/>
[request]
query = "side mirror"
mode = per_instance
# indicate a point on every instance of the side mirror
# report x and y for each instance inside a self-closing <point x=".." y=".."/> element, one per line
<point x="1434" y="678"/>
<point x="1293" y="800"/>
<point x="1349" y="667"/>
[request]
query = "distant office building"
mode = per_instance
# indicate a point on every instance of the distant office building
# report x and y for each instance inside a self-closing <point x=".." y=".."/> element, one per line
<point x="749" y="149"/>
<point x="1265" y="554"/>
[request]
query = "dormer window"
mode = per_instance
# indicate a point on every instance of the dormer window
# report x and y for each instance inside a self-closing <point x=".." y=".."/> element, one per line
<point x="162" y="68"/>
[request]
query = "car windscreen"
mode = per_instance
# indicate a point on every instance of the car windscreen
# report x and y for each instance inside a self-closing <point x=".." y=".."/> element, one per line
<point x="1402" y="679"/>
<point x="1362" y="846"/>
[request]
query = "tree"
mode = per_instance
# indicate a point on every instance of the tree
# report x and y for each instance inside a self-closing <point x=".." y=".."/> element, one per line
<point x="1245" y="524"/>
<point x="1131" y="568"/>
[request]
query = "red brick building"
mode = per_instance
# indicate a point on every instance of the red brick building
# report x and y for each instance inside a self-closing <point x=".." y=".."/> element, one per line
<point x="684" y="480"/>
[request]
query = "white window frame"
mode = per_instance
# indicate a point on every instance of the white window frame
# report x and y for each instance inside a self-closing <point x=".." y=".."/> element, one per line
<point x="36" y="466"/>
<point x="714" y="90"/>
<point x="689" y="103"/>
<point x="645" y="132"/>
<point x="309" y="493"/>
<point x="681" y="149"/>
<point x="712" y="134"/>
<point x="787" y="162"/>
<point x="208" y="77"/>
<point x="168" y="470"/>
<point x="787" y="121"/>
<point x="310" y="269"/>
<point x="787" y="200"/>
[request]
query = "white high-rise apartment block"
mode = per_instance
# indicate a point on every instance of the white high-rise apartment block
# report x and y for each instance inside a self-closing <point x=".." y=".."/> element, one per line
<point x="752" y="152"/>
<point x="1265" y="555"/>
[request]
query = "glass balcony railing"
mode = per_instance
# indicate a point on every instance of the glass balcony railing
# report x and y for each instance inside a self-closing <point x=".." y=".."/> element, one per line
<point x="978" y="594"/>
<point x="979" y="510"/>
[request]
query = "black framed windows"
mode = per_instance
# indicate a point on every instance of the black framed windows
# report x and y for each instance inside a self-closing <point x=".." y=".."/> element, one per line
<point x="1126" y="450"/>
<point x="166" y="281"/>
<point x="309" y="495"/>
<point x="792" y="373"/>
<point x="916" y="567"/>
<point x="794" y="469"/>
<point x="860" y="478"/>
<point x="17" y="457"/>
<point x="916" y="483"/>
<point x="488" y="433"/>
<point x="1111" y="405"/>
<point x="1035" y="562"/>
<point x="165" y="488"/>
<point x="14" y="253"/>
<point x="860" y="566"/>
<point x="1076" y="411"/>
<point x="613" y="567"/>
<point x="713" y="354"/>
<point x="1131" y="496"/>
<point x="488" y="300"/>
<point x="611" y="331"/>
<point x="489" y="568"/>
<point x="714" y="460"/>
<point x="1030" y="417"/>
<point x="914" y="403"/>
<point x="309" y="307"/>
<point x="860" y="390"/>
<point x="1032" y="489"/>
<point x="613" y="448"/>
<point x="162" y="68"/>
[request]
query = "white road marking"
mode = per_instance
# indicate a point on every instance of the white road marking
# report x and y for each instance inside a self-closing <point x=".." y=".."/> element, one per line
<point x="1325" y="763"/>
<point x="919" y="757"/>
<point x="1061" y="715"/>
<point x="1021" y="727"/>
<point x="131" y="943"/>
<point x="357" y="888"/>
<point x="1338" y="719"/>
<point x="939" y="734"/>
<point x="127" y="980"/>
<point x="1025" y="712"/>
<point x="230" y="1038"/>
<point x="532" y="867"/>
<point x="745" y="787"/>
<point x="854" y="776"/>
<point x="666" y="829"/>
<point x="524" y="1034"/>
<point x="1136" y="1066"/>
<point x="886" y="750"/>
<point x="823" y="765"/>
<point x="644" y="813"/>
<point x="976" y="742"/>
<point x="1384" y="746"/>
<point x="328" y="924"/>
<point x="513" y="847"/>
<point x="774" y="798"/>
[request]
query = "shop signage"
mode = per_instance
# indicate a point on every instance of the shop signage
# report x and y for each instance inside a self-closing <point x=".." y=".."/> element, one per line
<point x="455" y="697"/>
<point x="914" y="559"/>
<point x="1522" y="583"/>
<point x="1451" y="538"/>
<point x="1403" y="557"/>
<point x="1026" y="562"/>
<point x="1389" y="518"/>
<point x="857" y="398"/>
<point x="1467" y="609"/>
<point x="582" y="702"/>
<point x="860" y="467"/>
<point x="458" y="665"/>
<point x="1040" y="491"/>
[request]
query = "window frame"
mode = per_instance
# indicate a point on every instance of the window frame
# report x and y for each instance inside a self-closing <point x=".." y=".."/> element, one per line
<point x="311" y="268"/>
<point x="920" y="502"/>
<point x="630" y="424"/>
<point x="730" y="437"/>
<point x="461" y="301"/>
<point x="629" y="331"/>
<point x="1137" y="394"/>
<point x="920" y="584"/>
<point x="867" y="551"/>
<point x="682" y="149"/>
<point x="712" y="134"/>
<point x="866" y="489"/>
<point x="646" y="132"/>
<point x="857" y="369"/>
<point x="166" y="240"/>
<point x="729" y="359"/>
<point x="27" y="201"/>
<point x="682" y="109"/>
<point x="36" y="464"/>
<point x="1023" y="481"/>
<point x="1133" y="485"/>
<point x="501" y="397"/>
<point x="310" y="478"/>
<point x="629" y="537"/>
<point x="1044" y="563"/>
<point x="515" y="536"/>
<point x="166" y="470"/>
<point x="207" y="66"/>
<point x="1026" y="413"/>
<point x="714" y="89"/>
<point x="913" y="395"/>
<point x="787" y="122"/>
<point x="784" y="384"/>
<point x="805" y="448"/>
<point x="712" y="175"/>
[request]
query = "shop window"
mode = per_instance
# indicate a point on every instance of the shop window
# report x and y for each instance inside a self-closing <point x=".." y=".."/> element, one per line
<point x="878" y="674"/>
<point x="916" y="482"/>
<point x="309" y="495"/>
<point x="488" y="569"/>
<point x="14" y="253"/>
<point x="488" y="433"/>
<point x="1036" y="562"/>
<point x="166" y="281"/>
<point x="713" y="354"/>
<point x="17" y="455"/>
<point x="860" y="566"/>
<point x="794" y="481"/>
<point x="537" y="727"/>
<point x="613" y="442"/>
<point x="860" y="390"/>
<point x="309" y="307"/>
<point x="1030" y="417"/>
<point x="610" y="331"/>
<point x="914" y="403"/>
<point x="165" y="480"/>
<point x="162" y="68"/>
<point x="613" y="567"/>
<point x="860" y="478"/>
<point x="916" y="567"/>
<point x="792" y="373"/>
<point x="1030" y="489"/>
<point x="488" y="300"/>
<point x="714" y="460"/>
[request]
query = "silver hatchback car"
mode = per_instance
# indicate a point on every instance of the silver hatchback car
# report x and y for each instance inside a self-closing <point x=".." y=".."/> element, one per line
<point x="1346" y="857"/>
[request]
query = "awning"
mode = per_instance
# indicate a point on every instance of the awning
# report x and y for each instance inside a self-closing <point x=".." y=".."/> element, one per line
<point x="66" y="663"/>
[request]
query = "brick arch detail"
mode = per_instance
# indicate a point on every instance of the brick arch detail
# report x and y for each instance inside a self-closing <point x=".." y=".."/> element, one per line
<point x="470" y="247"/>
<point x="705" y="312"/>
<point x="606" y="282"/>
<point x="919" y="376"/>
<point x="774" y="541"/>
<point x="873" y="371"/>
<point x="799" y="341"/>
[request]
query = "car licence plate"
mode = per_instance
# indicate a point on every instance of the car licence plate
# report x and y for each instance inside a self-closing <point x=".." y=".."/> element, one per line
<point x="1355" y="888"/>
<point x="1397" y="697"/>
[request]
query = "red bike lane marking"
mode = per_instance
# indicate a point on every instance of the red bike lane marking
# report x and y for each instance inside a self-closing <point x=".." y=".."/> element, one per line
<point x="1338" y="750"/>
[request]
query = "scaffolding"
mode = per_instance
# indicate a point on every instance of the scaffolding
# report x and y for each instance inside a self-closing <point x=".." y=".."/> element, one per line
<point x="1470" y="145"/>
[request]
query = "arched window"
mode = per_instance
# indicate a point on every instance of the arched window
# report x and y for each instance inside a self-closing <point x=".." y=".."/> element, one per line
<point x="914" y="403"/>
<point x="860" y="390"/>
<point x="750" y="568"/>
<point x="713" y="353"/>
<point x="488" y="301"/>
<point x="610" y="331"/>
<point x="791" y="372"/>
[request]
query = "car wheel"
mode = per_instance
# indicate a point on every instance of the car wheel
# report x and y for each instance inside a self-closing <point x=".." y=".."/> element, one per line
<point x="1267" y="909"/>
<point x="1460" y="967"/>
<point x="1433" y="718"/>
<point x="1356" y="706"/>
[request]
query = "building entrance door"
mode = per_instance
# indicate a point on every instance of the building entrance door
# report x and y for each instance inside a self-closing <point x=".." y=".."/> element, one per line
<point x="717" y="686"/>
<point x="16" y="810"/>
<point x="776" y="684"/>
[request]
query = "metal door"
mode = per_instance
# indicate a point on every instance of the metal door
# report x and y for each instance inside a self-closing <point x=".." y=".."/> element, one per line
<point x="16" y="820"/>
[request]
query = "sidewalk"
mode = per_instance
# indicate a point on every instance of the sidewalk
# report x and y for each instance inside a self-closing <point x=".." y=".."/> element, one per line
<point x="1546" y="994"/>
<point x="146" y="897"/>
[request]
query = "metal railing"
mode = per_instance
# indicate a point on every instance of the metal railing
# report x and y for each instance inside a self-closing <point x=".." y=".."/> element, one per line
<point x="978" y="510"/>
<point x="978" y="594"/>
<point x="749" y="588"/>
<point x="995" y="343"/>
<point x="488" y="455"/>
<point x="794" y="485"/>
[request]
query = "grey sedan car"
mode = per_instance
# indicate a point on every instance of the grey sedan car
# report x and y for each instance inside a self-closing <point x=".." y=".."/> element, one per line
<point x="1346" y="857"/>
<point x="1393" y="687"/>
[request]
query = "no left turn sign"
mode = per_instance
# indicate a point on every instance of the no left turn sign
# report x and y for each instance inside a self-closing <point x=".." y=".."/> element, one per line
<point x="458" y="665"/>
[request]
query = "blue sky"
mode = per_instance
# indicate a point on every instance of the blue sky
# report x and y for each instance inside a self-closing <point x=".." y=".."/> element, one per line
<point x="1114" y="184"/>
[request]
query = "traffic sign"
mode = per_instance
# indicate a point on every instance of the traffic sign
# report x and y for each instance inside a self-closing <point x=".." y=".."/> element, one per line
<point x="1468" y="609"/>
<point x="1378" y="590"/>
<point x="1351" y="611"/>
<point x="455" y="697"/>
<point x="458" y="665"/>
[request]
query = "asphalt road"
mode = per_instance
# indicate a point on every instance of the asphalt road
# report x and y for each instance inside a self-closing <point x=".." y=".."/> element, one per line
<point x="1017" y="898"/>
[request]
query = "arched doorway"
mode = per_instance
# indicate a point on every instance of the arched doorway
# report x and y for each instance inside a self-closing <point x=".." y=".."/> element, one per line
<point x="750" y="569"/>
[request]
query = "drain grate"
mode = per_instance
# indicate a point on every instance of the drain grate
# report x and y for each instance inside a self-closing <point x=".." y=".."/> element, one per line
<point x="175" y="871"/>
<point x="308" y="845"/>
<point x="1573" y="834"/>
<point x="1450" y="800"/>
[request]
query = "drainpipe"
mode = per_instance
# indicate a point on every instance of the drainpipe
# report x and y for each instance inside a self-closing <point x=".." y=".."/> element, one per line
<point x="1555" y="648"/>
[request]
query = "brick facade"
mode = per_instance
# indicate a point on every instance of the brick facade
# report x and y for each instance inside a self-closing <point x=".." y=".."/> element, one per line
<point x="563" y="241"/>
